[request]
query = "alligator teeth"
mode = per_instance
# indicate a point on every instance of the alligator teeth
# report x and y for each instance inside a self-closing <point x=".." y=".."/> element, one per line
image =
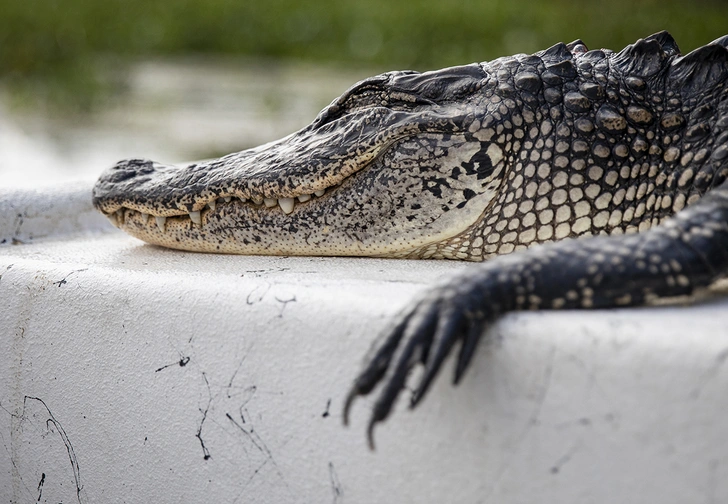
<point x="113" y="219"/>
<point x="270" y="202"/>
<point x="120" y="216"/>
<point x="161" y="221"/>
<point x="144" y="217"/>
<point x="257" y="199"/>
<point x="304" y="198"/>
<point x="195" y="216"/>
<point x="286" y="205"/>
<point x="228" y="199"/>
<point x="320" y="193"/>
<point x="212" y="204"/>
<point x="244" y="200"/>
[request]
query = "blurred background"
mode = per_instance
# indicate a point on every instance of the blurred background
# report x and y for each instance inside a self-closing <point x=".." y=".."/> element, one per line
<point x="84" y="83"/>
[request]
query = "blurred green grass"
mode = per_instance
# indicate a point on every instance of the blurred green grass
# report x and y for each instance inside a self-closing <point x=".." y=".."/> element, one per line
<point x="71" y="51"/>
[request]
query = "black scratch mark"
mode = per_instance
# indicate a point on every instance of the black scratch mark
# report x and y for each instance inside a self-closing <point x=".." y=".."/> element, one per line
<point x="272" y="270"/>
<point x="564" y="459"/>
<point x="285" y="303"/>
<point x="243" y="430"/>
<point x="232" y="378"/>
<point x="252" y="476"/>
<point x="205" y="452"/>
<point x="40" y="486"/>
<point x="326" y="413"/>
<point x="64" y="281"/>
<point x="249" y="432"/>
<point x="336" y="487"/>
<point x="251" y="390"/>
<point x="259" y="444"/>
<point x="19" y="218"/>
<point x="256" y="296"/>
<point x="181" y="363"/>
<point x="51" y="420"/>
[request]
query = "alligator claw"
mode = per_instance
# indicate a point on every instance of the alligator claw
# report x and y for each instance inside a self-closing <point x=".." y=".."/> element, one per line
<point x="424" y="333"/>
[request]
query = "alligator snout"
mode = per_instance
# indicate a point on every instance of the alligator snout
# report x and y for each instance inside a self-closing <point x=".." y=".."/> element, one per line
<point x="144" y="185"/>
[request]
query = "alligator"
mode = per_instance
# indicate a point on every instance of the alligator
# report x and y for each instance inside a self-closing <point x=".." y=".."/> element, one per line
<point x="582" y="178"/>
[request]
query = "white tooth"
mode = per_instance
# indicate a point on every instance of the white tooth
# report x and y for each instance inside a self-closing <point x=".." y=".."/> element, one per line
<point x="228" y="199"/>
<point x="256" y="199"/>
<point x="144" y="217"/>
<point x="161" y="221"/>
<point x="244" y="200"/>
<point x="113" y="219"/>
<point x="286" y="204"/>
<point x="270" y="202"/>
<point x="320" y="193"/>
<point x="195" y="216"/>
<point x="304" y="198"/>
<point x="120" y="215"/>
<point x="212" y="204"/>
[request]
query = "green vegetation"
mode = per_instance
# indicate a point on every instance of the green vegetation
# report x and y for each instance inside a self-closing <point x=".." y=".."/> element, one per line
<point x="53" y="49"/>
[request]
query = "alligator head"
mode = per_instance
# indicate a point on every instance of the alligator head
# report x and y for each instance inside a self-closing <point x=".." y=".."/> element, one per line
<point x="354" y="182"/>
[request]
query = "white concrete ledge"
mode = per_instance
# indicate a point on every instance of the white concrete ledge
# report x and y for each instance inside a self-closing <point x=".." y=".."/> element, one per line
<point x="137" y="374"/>
<point x="27" y="215"/>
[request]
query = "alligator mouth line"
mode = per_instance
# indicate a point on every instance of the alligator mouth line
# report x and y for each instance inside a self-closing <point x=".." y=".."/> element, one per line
<point x="286" y="205"/>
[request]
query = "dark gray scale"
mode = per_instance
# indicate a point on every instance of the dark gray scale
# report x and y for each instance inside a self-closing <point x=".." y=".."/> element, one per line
<point x="597" y="155"/>
<point x="632" y="145"/>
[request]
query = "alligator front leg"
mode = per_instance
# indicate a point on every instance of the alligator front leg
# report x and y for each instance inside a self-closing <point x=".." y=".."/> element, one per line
<point x="686" y="252"/>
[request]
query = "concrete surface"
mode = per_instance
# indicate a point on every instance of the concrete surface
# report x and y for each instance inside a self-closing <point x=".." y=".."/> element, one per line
<point x="135" y="374"/>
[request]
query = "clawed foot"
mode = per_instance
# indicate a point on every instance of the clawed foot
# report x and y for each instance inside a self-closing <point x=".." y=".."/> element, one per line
<point x="425" y="333"/>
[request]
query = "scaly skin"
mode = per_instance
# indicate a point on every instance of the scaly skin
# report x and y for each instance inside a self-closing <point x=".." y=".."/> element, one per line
<point x="470" y="163"/>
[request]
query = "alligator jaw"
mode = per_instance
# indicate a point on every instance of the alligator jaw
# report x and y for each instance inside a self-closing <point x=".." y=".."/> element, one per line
<point x="354" y="182"/>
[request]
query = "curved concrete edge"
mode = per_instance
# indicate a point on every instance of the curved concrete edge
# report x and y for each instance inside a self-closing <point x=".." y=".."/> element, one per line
<point x="48" y="212"/>
<point x="132" y="373"/>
